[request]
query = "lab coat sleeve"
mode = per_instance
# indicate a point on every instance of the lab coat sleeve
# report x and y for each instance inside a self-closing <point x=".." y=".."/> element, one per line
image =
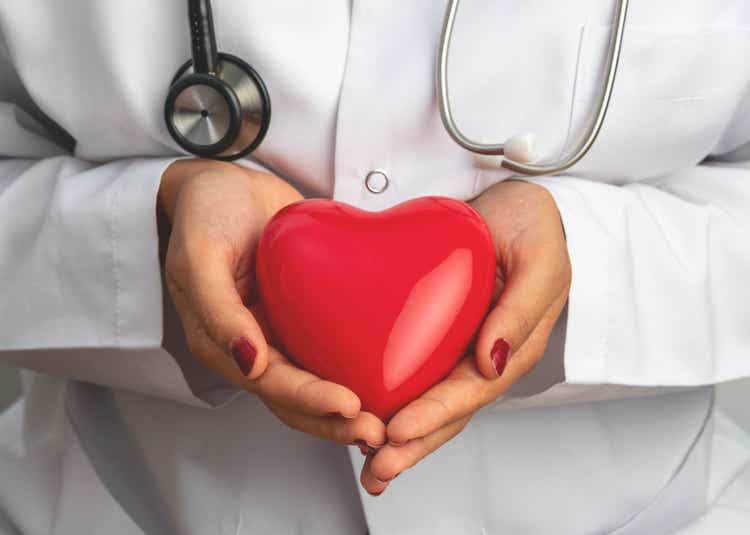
<point x="80" y="284"/>
<point x="659" y="297"/>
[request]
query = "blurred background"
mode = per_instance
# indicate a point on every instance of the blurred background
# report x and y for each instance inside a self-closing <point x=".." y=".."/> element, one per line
<point x="734" y="397"/>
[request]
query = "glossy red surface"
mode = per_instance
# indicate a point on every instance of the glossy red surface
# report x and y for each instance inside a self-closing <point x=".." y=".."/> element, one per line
<point x="384" y="303"/>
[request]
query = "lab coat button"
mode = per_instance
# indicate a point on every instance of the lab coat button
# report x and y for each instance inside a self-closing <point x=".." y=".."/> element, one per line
<point x="376" y="181"/>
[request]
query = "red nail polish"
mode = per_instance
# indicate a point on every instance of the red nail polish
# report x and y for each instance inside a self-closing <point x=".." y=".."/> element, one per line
<point x="362" y="445"/>
<point x="499" y="355"/>
<point x="244" y="354"/>
<point x="339" y="415"/>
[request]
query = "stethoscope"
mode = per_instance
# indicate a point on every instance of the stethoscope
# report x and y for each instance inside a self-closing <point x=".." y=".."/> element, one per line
<point x="218" y="106"/>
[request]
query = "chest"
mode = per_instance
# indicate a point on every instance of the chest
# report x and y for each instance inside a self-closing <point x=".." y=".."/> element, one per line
<point x="352" y="83"/>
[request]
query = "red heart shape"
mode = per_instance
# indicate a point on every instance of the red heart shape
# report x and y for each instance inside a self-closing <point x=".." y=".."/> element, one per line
<point x="384" y="303"/>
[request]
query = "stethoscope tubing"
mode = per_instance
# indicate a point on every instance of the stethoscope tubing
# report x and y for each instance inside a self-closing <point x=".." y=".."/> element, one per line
<point x="595" y="123"/>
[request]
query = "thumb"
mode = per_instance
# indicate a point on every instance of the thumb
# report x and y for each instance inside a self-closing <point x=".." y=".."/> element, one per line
<point x="529" y="291"/>
<point x="224" y="319"/>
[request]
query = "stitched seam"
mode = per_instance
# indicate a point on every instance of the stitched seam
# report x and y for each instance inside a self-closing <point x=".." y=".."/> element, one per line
<point x="116" y="271"/>
<point x="577" y="82"/>
<point x="341" y="100"/>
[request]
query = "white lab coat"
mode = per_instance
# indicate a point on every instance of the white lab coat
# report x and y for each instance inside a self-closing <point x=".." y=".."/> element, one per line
<point x="614" y="432"/>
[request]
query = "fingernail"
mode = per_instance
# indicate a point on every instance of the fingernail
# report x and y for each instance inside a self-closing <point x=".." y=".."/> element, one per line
<point x="499" y="355"/>
<point x="340" y="414"/>
<point x="362" y="444"/>
<point x="363" y="447"/>
<point x="386" y="480"/>
<point x="364" y="450"/>
<point x="397" y="444"/>
<point x="244" y="354"/>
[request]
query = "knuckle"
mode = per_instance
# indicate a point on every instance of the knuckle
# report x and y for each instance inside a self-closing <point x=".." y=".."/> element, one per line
<point x="175" y="263"/>
<point x="294" y="424"/>
<point x="196" y="344"/>
<point x="193" y="341"/>
<point x="443" y="408"/>
<point x="173" y="278"/>
<point x="522" y="324"/>
<point x="567" y="275"/>
<point x="212" y="325"/>
<point x="286" y="418"/>
<point x="341" y="434"/>
<point x="386" y="468"/>
<point x="529" y="369"/>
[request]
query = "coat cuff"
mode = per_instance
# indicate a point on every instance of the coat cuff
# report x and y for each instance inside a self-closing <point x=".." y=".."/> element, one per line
<point x="137" y="308"/>
<point x="585" y="346"/>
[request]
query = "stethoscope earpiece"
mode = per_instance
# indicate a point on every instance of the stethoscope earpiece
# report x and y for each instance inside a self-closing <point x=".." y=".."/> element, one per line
<point x="217" y="105"/>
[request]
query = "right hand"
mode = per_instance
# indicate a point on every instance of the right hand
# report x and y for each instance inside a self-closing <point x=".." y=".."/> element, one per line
<point x="217" y="211"/>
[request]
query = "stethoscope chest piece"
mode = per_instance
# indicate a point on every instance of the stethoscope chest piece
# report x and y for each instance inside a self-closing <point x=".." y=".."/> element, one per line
<point x="224" y="114"/>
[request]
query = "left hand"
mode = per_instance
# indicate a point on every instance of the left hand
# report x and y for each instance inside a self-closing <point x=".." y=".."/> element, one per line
<point x="533" y="282"/>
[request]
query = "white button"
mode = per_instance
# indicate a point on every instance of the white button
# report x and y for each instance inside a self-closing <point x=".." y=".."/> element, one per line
<point x="376" y="181"/>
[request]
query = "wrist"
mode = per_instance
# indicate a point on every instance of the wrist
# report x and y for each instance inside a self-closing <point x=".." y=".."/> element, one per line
<point x="542" y="185"/>
<point x="175" y="175"/>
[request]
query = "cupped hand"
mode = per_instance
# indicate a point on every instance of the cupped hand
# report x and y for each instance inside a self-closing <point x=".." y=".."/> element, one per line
<point x="217" y="211"/>
<point x="533" y="282"/>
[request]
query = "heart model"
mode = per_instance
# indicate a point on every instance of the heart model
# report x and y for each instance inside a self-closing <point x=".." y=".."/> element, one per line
<point x="384" y="303"/>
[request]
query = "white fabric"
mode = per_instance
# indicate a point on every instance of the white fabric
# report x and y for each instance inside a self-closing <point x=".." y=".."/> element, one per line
<point x="616" y="432"/>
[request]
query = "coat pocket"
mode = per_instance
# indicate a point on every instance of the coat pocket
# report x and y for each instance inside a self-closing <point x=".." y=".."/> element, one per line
<point x="675" y="93"/>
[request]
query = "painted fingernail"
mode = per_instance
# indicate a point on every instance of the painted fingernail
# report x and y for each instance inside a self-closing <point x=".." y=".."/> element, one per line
<point x="499" y="355"/>
<point x="363" y="446"/>
<point x="244" y="354"/>
<point x="363" y="449"/>
<point x="341" y="414"/>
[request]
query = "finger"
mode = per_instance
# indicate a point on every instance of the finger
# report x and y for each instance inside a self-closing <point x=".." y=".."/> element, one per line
<point x="538" y="277"/>
<point x="458" y="395"/>
<point x="287" y="385"/>
<point x="465" y="391"/>
<point x="366" y="430"/>
<point x="526" y="357"/>
<point x="200" y="279"/>
<point x="390" y="461"/>
<point x="369" y="482"/>
<point x="283" y="383"/>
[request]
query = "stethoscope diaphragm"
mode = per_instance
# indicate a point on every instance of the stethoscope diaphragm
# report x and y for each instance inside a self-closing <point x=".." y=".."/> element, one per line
<point x="217" y="105"/>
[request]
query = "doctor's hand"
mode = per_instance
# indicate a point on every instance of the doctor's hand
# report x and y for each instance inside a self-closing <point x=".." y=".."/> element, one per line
<point x="533" y="281"/>
<point x="217" y="211"/>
